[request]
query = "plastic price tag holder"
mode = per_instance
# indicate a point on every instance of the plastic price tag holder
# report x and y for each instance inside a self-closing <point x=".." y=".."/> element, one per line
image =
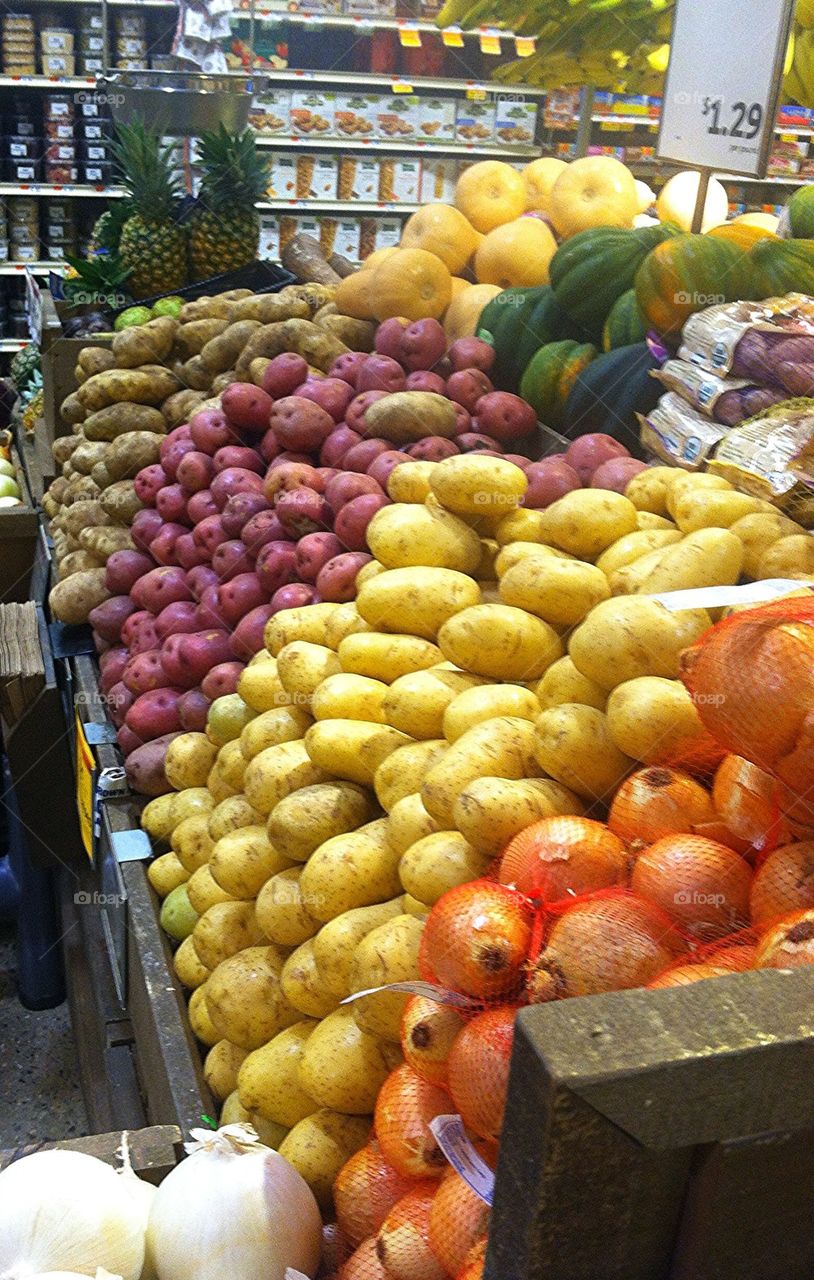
<point x="525" y="46"/>
<point x="451" y="1137"/>
<point x="409" y="36"/>
<point x="401" y="86"/>
<point x="452" y="38"/>
<point x="489" y="38"/>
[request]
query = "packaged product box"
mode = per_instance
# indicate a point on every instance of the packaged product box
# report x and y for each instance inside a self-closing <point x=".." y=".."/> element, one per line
<point x="56" y="40"/>
<point x="475" y="121"/>
<point x="398" y="117"/>
<point x="376" y="8"/>
<point x="324" y="178"/>
<point x="515" y="120"/>
<point x="438" y="177"/>
<point x="437" y="119"/>
<point x="787" y="155"/>
<point x="58" y="64"/>
<point x="400" y="181"/>
<point x="303" y="6"/>
<point x="282" y="176"/>
<point x="312" y="113"/>
<point x="355" y="115"/>
<point x="359" y="178"/>
<point x="271" y="112"/>
<point x="269" y="243"/>
<point x="327" y="235"/>
<point x="347" y="241"/>
<point x="387" y="233"/>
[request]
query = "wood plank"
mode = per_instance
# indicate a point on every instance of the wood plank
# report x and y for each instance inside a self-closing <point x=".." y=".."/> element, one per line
<point x="153" y="1151"/>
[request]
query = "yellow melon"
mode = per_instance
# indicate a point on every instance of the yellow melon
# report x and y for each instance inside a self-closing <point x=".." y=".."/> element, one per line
<point x="463" y="313"/>
<point x="443" y="230"/>
<point x="539" y="177"/>
<point x="676" y="202"/>
<point x="518" y="253"/>
<point x="458" y="287"/>
<point x="767" y="221"/>
<point x="411" y="283"/>
<point x="490" y="193"/>
<point x="378" y="256"/>
<point x="646" y="196"/>
<point x="596" y="191"/>
<point x="353" y="296"/>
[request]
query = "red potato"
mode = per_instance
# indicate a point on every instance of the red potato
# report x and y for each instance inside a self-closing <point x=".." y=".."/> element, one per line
<point x="302" y="424"/>
<point x="238" y="455"/>
<point x="230" y="559"/>
<point x="389" y="337"/>
<point x="247" y="406"/>
<point x="289" y="476"/>
<point x="588" y="452"/>
<point x="325" y="474"/>
<point x="199" y="578"/>
<point x="187" y="658"/>
<point x="162" y="547"/>
<point x="303" y="511"/>
<point x="171" y="504"/>
<point x="381" y="467"/>
<point x="111" y="666"/>
<point x="313" y="551"/>
<point x="293" y="596"/>
<point x="474" y="441"/>
<point x="247" y="638"/>
<point x="108" y="618"/>
<point x="194" y="471"/>
<point x="144" y="672"/>
<point x="154" y="713"/>
<point x="471" y="353"/>
<point x="467" y="387"/>
<point x="142" y="619"/>
<point x="331" y="394"/>
<point x="423" y="344"/>
<point x="239" y="596"/>
<point x="359" y="456"/>
<point x="381" y="373"/>
<point x="160" y="587"/>
<point x="616" y="474"/>
<point x="145" y="767"/>
<point x="239" y="510"/>
<point x="519" y="459"/>
<point x="351" y="523"/>
<point x="207" y="612"/>
<point x="144" y="638"/>
<point x="221" y="680"/>
<point x="119" y="700"/>
<point x="269" y="446"/>
<point x="505" y="416"/>
<point x="463" y="420"/>
<point x="209" y="534"/>
<point x="347" y="485"/>
<point x="129" y="741"/>
<point x="337" y="445"/>
<point x="231" y="481"/>
<point x="124" y="568"/>
<point x="170" y="457"/>
<point x="201" y="505"/>
<point x="347" y="366"/>
<point x="210" y="430"/>
<point x="425" y="380"/>
<point x="145" y="526"/>
<point x="549" y="480"/>
<point x="276" y="565"/>
<point x="433" y="449"/>
<point x="283" y="373"/>
<point x="176" y="618"/>
<point x="336" y="580"/>
<point x="187" y="553"/>
<point x="289" y="455"/>
<point x="358" y="407"/>
<point x="193" y="708"/>
<point x="149" y="482"/>
<point x="262" y="528"/>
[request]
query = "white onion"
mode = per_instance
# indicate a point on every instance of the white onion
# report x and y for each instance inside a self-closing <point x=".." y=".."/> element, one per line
<point x="235" y="1208"/>
<point x="68" y="1211"/>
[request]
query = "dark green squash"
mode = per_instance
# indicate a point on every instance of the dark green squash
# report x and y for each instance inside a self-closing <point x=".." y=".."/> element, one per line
<point x="594" y="268"/>
<point x="782" y="266"/>
<point x="690" y="273"/>
<point x="801" y="213"/>
<point x="625" y="324"/>
<point x="608" y="394"/>
<point x="517" y="309"/>
<point x="550" y="375"/>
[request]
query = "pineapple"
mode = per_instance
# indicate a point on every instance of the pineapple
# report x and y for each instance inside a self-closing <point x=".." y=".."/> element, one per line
<point x="107" y="229"/>
<point x="152" y="245"/>
<point x="225" y="227"/>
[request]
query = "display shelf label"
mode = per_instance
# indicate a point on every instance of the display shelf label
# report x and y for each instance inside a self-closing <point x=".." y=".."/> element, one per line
<point x="525" y="46"/>
<point x="409" y="36"/>
<point x="452" y="38"/>
<point x="723" y="83"/>
<point x="85" y="787"/>
<point x="489" y="38"/>
<point x="401" y="86"/>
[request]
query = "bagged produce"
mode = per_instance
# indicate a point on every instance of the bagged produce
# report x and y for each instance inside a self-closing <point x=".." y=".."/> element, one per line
<point x="725" y="400"/>
<point x="678" y="434"/>
<point x="771" y="342"/>
<point x="772" y="457"/>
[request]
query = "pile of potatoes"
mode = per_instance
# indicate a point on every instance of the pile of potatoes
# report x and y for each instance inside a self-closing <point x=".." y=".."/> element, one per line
<point x="150" y="380"/>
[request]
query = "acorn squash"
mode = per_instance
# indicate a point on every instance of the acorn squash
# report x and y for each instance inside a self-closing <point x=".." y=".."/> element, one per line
<point x="608" y="394"/>
<point x="550" y="375"/>
<point x="782" y="266"/>
<point x="689" y="273"/>
<point x="625" y="324"/>
<point x="593" y="269"/>
<point x="801" y="213"/>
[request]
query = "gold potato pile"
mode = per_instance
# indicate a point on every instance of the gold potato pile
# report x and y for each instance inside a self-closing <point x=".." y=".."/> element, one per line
<point x="499" y="665"/>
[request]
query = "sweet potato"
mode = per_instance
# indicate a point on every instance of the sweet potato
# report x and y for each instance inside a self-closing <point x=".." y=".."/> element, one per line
<point x="358" y="335"/>
<point x="222" y="352"/>
<point x="196" y="374"/>
<point x="79" y="562"/>
<point x="116" y="419"/>
<point x="145" y="767"/>
<point x="307" y="339"/>
<point x="72" y="409"/>
<point x="63" y="447"/>
<point x="304" y="257"/>
<point x="95" y="360"/>
<point x="105" y="540"/>
<point x="149" y="384"/>
<point x="130" y="452"/>
<point x="145" y="344"/>
<point x="179" y="407"/>
<point x="72" y="599"/>
<point x="84" y="514"/>
<point x="270" y="307"/>
<point x="120" y="502"/>
<point x="408" y="416"/>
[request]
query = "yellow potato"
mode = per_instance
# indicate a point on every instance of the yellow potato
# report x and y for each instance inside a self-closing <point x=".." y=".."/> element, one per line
<point x="628" y="636"/>
<point x="484" y="702"/>
<point x="203" y="891"/>
<point x="158" y="817"/>
<point x="223" y="930"/>
<point x="232" y="763"/>
<point x="306" y="623"/>
<point x="521" y="525"/>
<point x="500" y="641"/>
<point x="402" y="773"/>
<point x="305" y="819"/>
<point x="708" y="558"/>
<point x="230" y="814"/>
<point x="649" y="489"/>
<point x="498" y="748"/>
<point x="245" y="1000"/>
<point x="320" y="1145"/>
<point x="412" y="907"/>
<point x="334" y="945"/>
<point x="243" y="860"/>
<point x="561" y="592"/>
<point x="282" y="910"/>
<point x="350" y="697"/>
<point x="564" y="683"/>
<point x="353" y="870"/>
<point x="199" y="1019"/>
<point x="302" y="666"/>
<point x="270" y="728"/>
<point x="416" y="703"/>
<point x="383" y="656"/>
<point x="410" y="481"/>
<point x="409" y="821"/>
<point x="187" y="967"/>
<point x="352" y="749"/>
<point x="343" y="1067"/>
<point x="648" y="520"/>
<point x="416" y="601"/>
<point x="490" y="811"/>
<point x="232" y="1112"/>
<point x="190" y="801"/>
<point x="268" y="1079"/>
<point x="345" y="621"/>
<point x="217" y="788"/>
<point x="486" y="571"/>
<point x="694" y="482"/>
<point x="221" y="729"/>
<point x="573" y="745"/>
<point x="439" y="862"/>
<point x="626" y="581"/>
<point x="261" y="688"/>
<point x="712" y="508"/>
<point x="386" y="955"/>
<point x="303" y="987"/>
<point x="276" y="772"/>
<point x="189" y="758"/>
<point x="788" y="558"/>
<point x="364" y="575"/>
<point x="653" y="719"/>
<point x="404" y="534"/>
<point x="588" y="521"/>
<point x="166" y="873"/>
<point x="514" y="552"/>
<point x="635" y="545"/>
<point x="469" y="485"/>
<point x="759" y="532"/>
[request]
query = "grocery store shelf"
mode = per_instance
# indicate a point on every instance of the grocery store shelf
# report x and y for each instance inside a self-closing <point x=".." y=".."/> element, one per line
<point x="67" y="191"/>
<point x="408" y="147"/>
<point x="48" y="82"/>
<point x="337" y="206"/>
<point x="653" y="121"/>
<point x="762" y="182"/>
<point x="399" y="84"/>
<point x="367" y="20"/>
<point x="13" y="344"/>
<point x="36" y="268"/>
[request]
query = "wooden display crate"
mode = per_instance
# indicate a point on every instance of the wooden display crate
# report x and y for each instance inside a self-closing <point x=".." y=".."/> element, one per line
<point x="59" y="356"/>
<point x="154" y="1152"/>
<point x="19" y="530"/>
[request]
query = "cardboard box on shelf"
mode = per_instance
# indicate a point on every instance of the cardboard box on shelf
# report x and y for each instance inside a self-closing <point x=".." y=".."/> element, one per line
<point x="269" y="247"/>
<point x="437" y="119"/>
<point x="312" y="113"/>
<point x="359" y="178"/>
<point x="282" y="176"/>
<point x="438" y="177"/>
<point x="515" y="120"/>
<point x="327" y="235"/>
<point x="347" y="240"/>
<point x="317" y="176"/>
<point x="398" y="117"/>
<point x="376" y="8"/>
<point x="379" y="233"/>
<point x="475" y="121"/>
<point x="400" y="180"/>
<point x="355" y="115"/>
<point x="271" y="112"/>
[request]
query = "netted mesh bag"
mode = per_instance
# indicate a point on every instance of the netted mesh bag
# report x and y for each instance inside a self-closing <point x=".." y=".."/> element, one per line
<point x="788" y="944"/>
<point x="479" y="1070"/>
<point x="659" y="801"/>
<point x="783" y="883"/>
<point x="701" y="884"/>
<point x="733" y="954"/>
<point x="700" y="756"/>
<point x="476" y="941"/>
<point x="560" y="857"/>
<point x="746" y="801"/>
<point x="752" y="680"/>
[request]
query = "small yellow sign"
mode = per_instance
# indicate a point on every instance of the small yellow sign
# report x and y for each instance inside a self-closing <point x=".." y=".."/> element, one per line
<point x="401" y="86"/>
<point x="409" y="37"/>
<point x="490" y="42"/>
<point x="85" y="769"/>
<point x="476" y="95"/>
<point x="525" y="46"/>
<point x="452" y="37"/>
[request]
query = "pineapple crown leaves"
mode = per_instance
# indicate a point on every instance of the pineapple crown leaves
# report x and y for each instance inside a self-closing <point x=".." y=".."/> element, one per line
<point x="146" y="165"/>
<point x="108" y="228"/>
<point x="235" y="175"/>
<point x="98" y="279"/>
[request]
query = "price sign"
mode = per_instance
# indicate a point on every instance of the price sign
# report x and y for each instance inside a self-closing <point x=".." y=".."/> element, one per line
<point x="723" y="83"/>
